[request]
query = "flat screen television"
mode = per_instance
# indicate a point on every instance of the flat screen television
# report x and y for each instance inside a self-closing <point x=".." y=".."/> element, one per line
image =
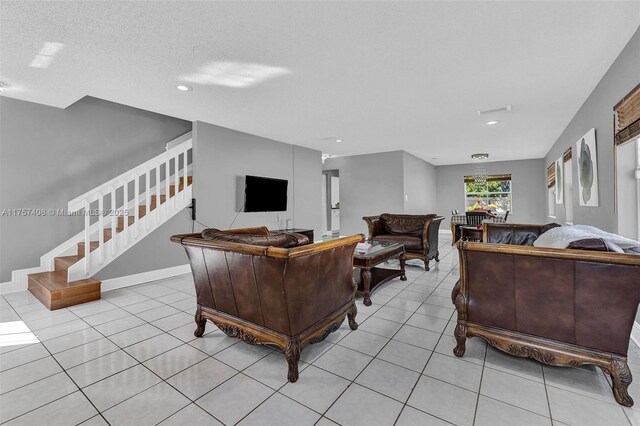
<point x="262" y="194"/>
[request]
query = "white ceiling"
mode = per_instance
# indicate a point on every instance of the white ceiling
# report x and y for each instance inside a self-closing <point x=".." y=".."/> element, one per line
<point x="381" y="76"/>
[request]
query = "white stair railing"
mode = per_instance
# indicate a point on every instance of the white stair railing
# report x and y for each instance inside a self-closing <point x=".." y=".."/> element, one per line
<point x="130" y="234"/>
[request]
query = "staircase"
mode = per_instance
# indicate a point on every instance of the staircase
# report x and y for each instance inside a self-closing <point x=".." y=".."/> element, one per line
<point x="117" y="214"/>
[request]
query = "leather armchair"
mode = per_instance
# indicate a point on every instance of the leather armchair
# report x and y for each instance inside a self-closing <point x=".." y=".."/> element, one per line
<point x="261" y="294"/>
<point x="418" y="233"/>
<point x="562" y="307"/>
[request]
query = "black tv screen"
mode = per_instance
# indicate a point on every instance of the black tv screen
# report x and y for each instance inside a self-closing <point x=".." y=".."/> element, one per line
<point x="263" y="194"/>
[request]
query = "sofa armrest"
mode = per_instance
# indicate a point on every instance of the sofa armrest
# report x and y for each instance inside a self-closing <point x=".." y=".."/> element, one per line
<point x="375" y="225"/>
<point x="313" y="248"/>
<point x="195" y="240"/>
<point x="430" y="233"/>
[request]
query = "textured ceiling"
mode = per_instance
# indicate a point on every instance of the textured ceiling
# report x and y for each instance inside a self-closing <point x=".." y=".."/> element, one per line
<point x="381" y="76"/>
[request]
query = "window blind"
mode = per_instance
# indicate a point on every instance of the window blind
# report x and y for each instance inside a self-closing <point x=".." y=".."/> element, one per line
<point x="568" y="154"/>
<point x="551" y="175"/>
<point x="626" y="116"/>
<point x="490" y="178"/>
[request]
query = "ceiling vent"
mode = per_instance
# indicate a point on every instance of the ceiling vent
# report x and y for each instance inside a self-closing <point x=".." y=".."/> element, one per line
<point x="490" y="111"/>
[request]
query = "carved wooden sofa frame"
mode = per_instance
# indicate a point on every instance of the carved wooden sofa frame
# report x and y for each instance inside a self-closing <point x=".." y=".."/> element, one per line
<point x="602" y="338"/>
<point x="286" y="278"/>
<point x="429" y="235"/>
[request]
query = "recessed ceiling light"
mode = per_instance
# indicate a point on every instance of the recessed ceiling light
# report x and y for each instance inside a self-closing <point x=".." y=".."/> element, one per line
<point x="491" y="123"/>
<point x="184" y="88"/>
<point x="480" y="156"/>
<point x="339" y="140"/>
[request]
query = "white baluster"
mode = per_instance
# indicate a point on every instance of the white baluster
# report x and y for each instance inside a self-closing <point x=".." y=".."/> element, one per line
<point x="167" y="181"/>
<point x="176" y="175"/>
<point x="136" y="204"/>
<point x="125" y="217"/>
<point x="158" y="192"/>
<point x="87" y="238"/>
<point x="147" y="196"/>
<point x="113" y="221"/>
<point x="101" y="228"/>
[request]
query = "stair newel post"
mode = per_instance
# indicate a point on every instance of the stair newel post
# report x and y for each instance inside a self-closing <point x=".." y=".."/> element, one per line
<point x="136" y="204"/>
<point x="147" y="196"/>
<point x="87" y="237"/>
<point x="113" y="221"/>
<point x="184" y="173"/>
<point x="101" y="227"/>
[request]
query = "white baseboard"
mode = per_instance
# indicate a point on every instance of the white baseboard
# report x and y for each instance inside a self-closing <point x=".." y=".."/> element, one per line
<point x="19" y="280"/>
<point x="110" y="284"/>
<point x="143" y="277"/>
<point x="635" y="333"/>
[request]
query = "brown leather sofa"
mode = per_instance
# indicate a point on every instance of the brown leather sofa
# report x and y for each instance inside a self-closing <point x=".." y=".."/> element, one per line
<point x="564" y="307"/>
<point x="418" y="233"/>
<point x="287" y="296"/>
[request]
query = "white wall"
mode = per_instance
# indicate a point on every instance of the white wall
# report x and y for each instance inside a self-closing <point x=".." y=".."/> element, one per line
<point x="222" y="157"/>
<point x="419" y="181"/>
<point x="528" y="186"/>
<point x="370" y="184"/>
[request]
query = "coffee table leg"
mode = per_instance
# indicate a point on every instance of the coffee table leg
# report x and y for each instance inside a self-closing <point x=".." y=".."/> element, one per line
<point x="366" y="281"/>
<point x="403" y="277"/>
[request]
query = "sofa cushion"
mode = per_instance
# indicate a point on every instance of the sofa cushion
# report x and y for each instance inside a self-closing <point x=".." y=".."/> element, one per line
<point x="404" y="224"/>
<point x="279" y="240"/>
<point x="594" y="244"/>
<point x="410" y="242"/>
<point x="562" y="236"/>
<point x="633" y="250"/>
<point x="521" y="236"/>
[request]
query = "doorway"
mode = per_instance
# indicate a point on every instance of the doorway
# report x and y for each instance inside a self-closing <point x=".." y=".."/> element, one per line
<point x="331" y="202"/>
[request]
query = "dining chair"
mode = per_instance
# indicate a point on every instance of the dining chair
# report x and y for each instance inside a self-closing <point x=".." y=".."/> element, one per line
<point x="475" y="218"/>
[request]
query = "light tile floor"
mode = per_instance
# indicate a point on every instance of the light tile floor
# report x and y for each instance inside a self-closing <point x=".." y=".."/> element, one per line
<point x="131" y="358"/>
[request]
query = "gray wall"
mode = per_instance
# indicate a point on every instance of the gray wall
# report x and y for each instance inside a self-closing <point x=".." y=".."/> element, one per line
<point x="419" y="180"/>
<point x="528" y="188"/>
<point x="49" y="156"/>
<point x="224" y="156"/>
<point x="597" y="112"/>
<point x="369" y="185"/>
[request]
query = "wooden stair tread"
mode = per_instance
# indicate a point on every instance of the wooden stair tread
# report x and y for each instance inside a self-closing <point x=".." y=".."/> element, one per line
<point x="53" y="290"/>
<point x="63" y="263"/>
<point x="95" y="244"/>
<point x="56" y="281"/>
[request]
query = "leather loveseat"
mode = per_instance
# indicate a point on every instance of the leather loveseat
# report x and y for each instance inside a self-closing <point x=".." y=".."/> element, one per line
<point x="418" y="233"/>
<point x="272" y="289"/>
<point x="563" y="307"/>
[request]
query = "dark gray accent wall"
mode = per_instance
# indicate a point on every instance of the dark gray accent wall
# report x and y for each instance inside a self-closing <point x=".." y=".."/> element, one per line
<point x="597" y="112"/>
<point x="528" y="193"/>
<point x="49" y="156"/>
<point x="223" y="157"/>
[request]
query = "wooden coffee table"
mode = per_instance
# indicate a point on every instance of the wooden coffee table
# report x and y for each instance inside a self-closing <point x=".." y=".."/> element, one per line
<point x="368" y="276"/>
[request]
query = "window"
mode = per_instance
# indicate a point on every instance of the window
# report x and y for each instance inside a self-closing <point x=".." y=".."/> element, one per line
<point x="491" y="192"/>
<point x="551" y="189"/>
<point x="626" y="114"/>
<point x="628" y="189"/>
